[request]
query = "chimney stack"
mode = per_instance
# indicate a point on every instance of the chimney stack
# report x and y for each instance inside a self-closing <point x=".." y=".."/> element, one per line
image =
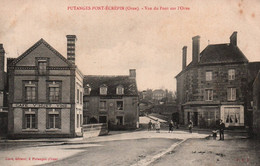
<point x="132" y="73"/>
<point x="196" y="49"/>
<point x="184" y="57"/>
<point x="233" y="39"/>
<point x="71" y="40"/>
<point x="2" y="67"/>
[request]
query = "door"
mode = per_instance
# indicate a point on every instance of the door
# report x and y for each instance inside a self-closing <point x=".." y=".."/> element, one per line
<point x="195" y="119"/>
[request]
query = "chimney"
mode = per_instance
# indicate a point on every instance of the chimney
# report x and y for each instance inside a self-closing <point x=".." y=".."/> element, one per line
<point x="184" y="57"/>
<point x="195" y="49"/>
<point x="233" y="39"/>
<point x="132" y="73"/>
<point x="2" y="67"/>
<point x="71" y="40"/>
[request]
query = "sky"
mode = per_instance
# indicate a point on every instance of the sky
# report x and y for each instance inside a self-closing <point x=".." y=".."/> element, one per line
<point x="110" y="42"/>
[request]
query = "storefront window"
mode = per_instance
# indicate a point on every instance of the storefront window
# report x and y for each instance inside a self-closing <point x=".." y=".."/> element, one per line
<point x="232" y="115"/>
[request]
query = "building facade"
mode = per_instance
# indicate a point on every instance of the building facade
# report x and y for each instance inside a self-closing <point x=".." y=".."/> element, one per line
<point x="214" y="85"/>
<point x="45" y="92"/>
<point x="159" y="94"/>
<point x="112" y="100"/>
<point x="3" y="94"/>
<point x="256" y="106"/>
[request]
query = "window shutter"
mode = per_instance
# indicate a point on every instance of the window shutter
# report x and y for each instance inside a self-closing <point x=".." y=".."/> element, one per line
<point x="36" y="118"/>
<point x="59" y="119"/>
<point x="47" y="119"/>
<point x="229" y="93"/>
<point x="23" y="119"/>
<point x="234" y="93"/>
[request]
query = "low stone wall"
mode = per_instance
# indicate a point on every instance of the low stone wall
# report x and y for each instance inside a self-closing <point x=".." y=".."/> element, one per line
<point x="94" y="130"/>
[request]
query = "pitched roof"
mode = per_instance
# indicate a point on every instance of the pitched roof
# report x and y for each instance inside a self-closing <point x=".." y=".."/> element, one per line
<point x="218" y="54"/>
<point x="41" y="41"/>
<point x="129" y="84"/>
<point x="222" y="53"/>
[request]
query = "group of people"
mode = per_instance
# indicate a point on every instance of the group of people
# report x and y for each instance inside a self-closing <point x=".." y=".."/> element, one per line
<point x="156" y="126"/>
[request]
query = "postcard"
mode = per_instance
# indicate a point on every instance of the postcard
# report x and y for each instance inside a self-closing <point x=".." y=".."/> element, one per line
<point x="129" y="82"/>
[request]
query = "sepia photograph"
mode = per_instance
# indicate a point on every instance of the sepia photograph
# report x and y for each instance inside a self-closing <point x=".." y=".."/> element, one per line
<point x="130" y="82"/>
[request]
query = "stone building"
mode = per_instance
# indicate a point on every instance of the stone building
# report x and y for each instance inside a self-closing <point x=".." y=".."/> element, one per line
<point x="214" y="85"/>
<point x="159" y="94"/>
<point x="3" y="94"/>
<point x="256" y="106"/>
<point x="45" y="92"/>
<point x="112" y="100"/>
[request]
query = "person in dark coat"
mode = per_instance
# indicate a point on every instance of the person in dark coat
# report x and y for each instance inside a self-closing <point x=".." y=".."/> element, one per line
<point x="190" y="126"/>
<point x="150" y="125"/>
<point x="221" y="130"/>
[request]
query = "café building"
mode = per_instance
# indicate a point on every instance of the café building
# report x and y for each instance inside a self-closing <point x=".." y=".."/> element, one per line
<point x="45" y="92"/>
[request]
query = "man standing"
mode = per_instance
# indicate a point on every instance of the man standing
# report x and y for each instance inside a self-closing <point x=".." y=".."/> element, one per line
<point x="158" y="126"/>
<point x="221" y="130"/>
<point x="190" y="126"/>
<point x="150" y="126"/>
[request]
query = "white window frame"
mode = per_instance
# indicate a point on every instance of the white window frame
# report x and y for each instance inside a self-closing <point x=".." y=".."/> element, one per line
<point x="31" y="86"/>
<point x="54" y="96"/>
<point x="120" y="90"/>
<point x="231" y="94"/>
<point x="30" y="113"/>
<point x="231" y="74"/>
<point x="55" y="113"/>
<point x="209" y="94"/>
<point x="103" y="90"/>
<point x="208" y="75"/>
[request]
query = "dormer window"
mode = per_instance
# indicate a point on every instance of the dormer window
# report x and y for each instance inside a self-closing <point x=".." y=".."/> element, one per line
<point x="120" y="90"/>
<point x="103" y="90"/>
<point x="87" y="90"/>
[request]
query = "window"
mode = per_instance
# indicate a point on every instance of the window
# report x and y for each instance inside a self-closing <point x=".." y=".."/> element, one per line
<point x="119" y="105"/>
<point x="119" y="120"/>
<point x="42" y="67"/>
<point x="231" y="94"/>
<point x="77" y="95"/>
<point x="53" y="119"/>
<point x="102" y="105"/>
<point x="78" y="120"/>
<point x="30" y="92"/>
<point x="86" y="105"/>
<point x="103" y="90"/>
<point x="87" y="90"/>
<point x="231" y="74"/>
<point x="209" y="94"/>
<point x="120" y="90"/>
<point x="208" y="75"/>
<point x="232" y="115"/>
<point x="54" y="92"/>
<point x="30" y="119"/>
<point x="81" y="98"/>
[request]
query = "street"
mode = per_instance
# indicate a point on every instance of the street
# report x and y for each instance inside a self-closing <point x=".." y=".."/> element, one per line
<point x="133" y="148"/>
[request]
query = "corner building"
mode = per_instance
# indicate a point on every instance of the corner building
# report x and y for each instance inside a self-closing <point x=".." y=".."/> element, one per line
<point x="112" y="100"/>
<point x="45" y="93"/>
<point x="214" y="85"/>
